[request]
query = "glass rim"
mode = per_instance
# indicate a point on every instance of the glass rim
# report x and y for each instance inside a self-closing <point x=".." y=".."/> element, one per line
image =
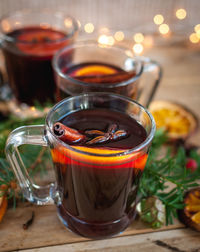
<point x="96" y="85"/>
<point x="135" y="149"/>
<point x="38" y="11"/>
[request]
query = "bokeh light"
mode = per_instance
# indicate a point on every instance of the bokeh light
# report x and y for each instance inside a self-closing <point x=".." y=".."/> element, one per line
<point x="68" y="22"/>
<point x="106" y="40"/>
<point x="138" y="37"/>
<point x="193" y="38"/>
<point x="119" y="36"/>
<point x="197" y="28"/>
<point x="89" y="27"/>
<point x="138" y="48"/>
<point x="158" y="19"/>
<point x="181" y="13"/>
<point x="164" y="29"/>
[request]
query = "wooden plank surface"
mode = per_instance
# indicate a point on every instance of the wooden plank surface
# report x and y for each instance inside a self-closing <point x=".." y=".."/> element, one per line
<point x="181" y="83"/>
<point x="47" y="229"/>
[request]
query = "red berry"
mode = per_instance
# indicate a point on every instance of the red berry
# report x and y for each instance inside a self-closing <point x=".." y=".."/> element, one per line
<point x="191" y="164"/>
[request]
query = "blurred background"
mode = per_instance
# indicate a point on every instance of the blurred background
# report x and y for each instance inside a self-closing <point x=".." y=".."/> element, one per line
<point x="127" y="15"/>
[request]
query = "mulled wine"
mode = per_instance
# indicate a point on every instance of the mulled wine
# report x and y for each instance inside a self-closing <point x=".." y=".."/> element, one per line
<point x="97" y="74"/>
<point x="98" y="186"/>
<point x="28" y="62"/>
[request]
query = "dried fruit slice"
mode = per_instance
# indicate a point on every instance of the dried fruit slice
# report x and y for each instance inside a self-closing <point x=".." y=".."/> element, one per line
<point x="178" y="121"/>
<point x="190" y="215"/>
<point x="3" y="206"/>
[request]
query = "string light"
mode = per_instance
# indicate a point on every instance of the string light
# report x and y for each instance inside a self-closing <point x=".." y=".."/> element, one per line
<point x="89" y="27"/>
<point x="181" y="13"/>
<point x="164" y="29"/>
<point x="138" y="37"/>
<point x="111" y="40"/>
<point x="193" y="38"/>
<point x="106" y="40"/>
<point x="158" y="19"/>
<point x="138" y="48"/>
<point x="119" y="35"/>
<point x="197" y="28"/>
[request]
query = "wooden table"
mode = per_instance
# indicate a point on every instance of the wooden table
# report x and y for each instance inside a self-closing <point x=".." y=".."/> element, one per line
<point x="181" y="83"/>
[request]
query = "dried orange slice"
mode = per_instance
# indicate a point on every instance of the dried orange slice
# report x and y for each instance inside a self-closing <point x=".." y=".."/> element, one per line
<point x="190" y="215"/>
<point x="3" y="206"/>
<point x="178" y="121"/>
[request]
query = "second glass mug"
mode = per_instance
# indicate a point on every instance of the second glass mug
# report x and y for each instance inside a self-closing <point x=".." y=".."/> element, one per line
<point x="120" y="58"/>
<point x="29" y="39"/>
<point x="120" y="174"/>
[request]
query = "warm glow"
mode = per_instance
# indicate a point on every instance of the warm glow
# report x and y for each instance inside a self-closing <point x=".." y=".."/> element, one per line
<point x="181" y="13"/>
<point x="103" y="39"/>
<point x="106" y="40"/>
<point x="111" y="40"/>
<point x="148" y="41"/>
<point x="119" y="35"/>
<point x="32" y="108"/>
<point x="193" y="38"/>
<point x="197" y="28"/>
<point x="138" y="37"/>
<point x="198" y="34"/>
<point x="138" y="48"/>
<point x="89" y="27"/>
<point x="68" y="22"/>
<point x="164" y="28"/>
<point x="158" y="19"/>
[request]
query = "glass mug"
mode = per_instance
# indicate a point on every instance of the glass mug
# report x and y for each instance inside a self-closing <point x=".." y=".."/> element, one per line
<point x="28" y="39"/>
<point x="86" y="179"/>
<point x="125" y="70"/>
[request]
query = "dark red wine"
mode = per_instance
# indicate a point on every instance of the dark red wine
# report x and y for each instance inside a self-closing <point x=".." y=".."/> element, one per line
<point x="99" y="74"/>
<point x="98" y="193"/>
<point x="28" y="62"/>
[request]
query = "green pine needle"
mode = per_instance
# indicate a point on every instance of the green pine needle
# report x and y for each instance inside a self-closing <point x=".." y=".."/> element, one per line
<point x="167" y="178"/>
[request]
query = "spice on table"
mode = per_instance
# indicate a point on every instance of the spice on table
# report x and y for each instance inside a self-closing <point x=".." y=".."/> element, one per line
<point x="29" y="222"/>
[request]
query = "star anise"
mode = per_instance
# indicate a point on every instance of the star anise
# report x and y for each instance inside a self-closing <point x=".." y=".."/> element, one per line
<point x="112" y="134"/>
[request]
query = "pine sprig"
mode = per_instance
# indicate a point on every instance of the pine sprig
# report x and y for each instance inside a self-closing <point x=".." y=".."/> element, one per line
<point x="167" y="178"/>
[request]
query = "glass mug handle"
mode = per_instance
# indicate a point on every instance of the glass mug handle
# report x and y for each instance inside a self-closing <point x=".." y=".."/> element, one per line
<point x="34" y="135"/>
<point x="147" y="92"/>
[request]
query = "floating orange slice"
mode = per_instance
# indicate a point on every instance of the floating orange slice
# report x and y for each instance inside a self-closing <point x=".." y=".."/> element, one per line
<point x="178" y="121"/>
<point x="65" y="156"/>
<point x="94" y="69"/>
